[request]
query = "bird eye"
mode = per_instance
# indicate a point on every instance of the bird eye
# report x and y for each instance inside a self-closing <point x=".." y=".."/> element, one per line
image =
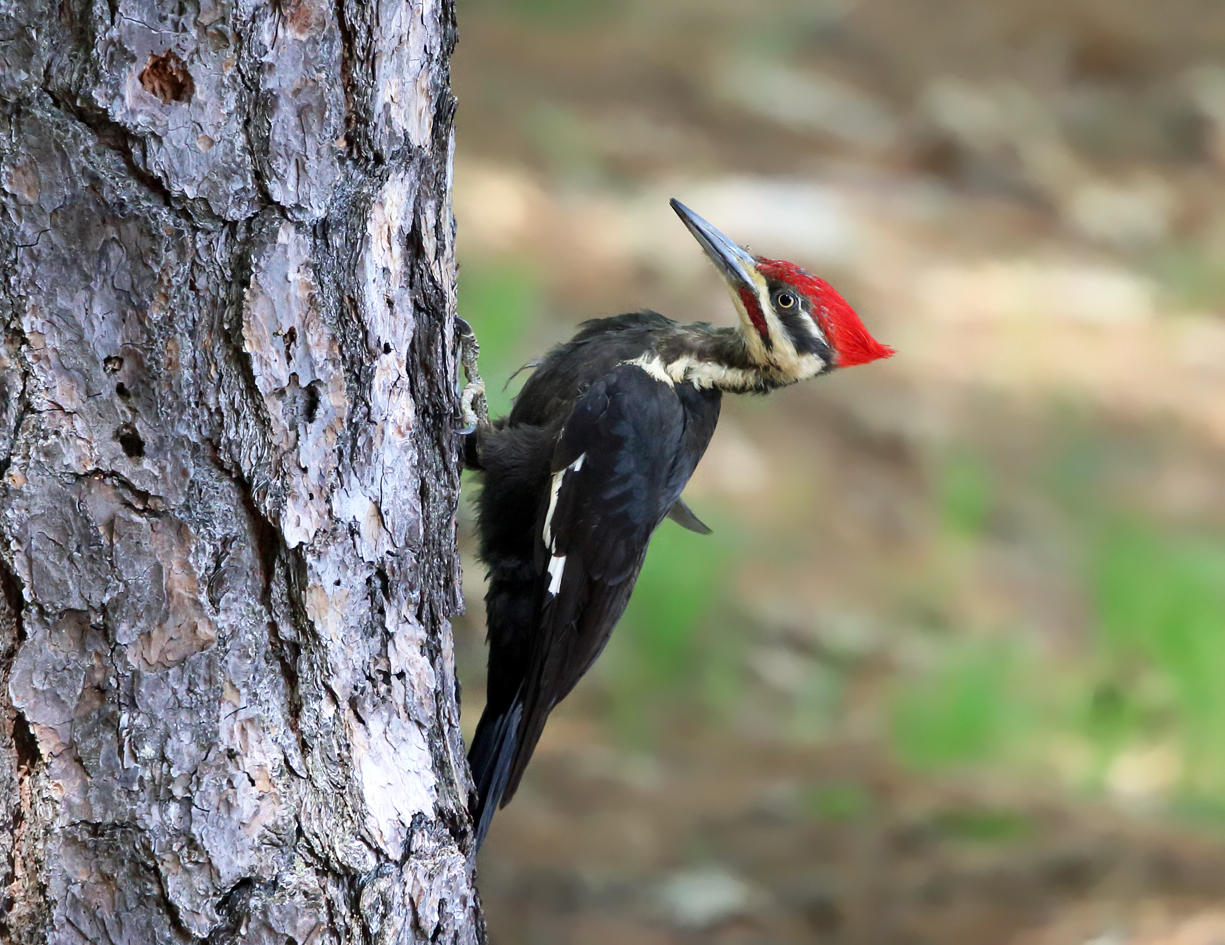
<point x="784" y="300"/>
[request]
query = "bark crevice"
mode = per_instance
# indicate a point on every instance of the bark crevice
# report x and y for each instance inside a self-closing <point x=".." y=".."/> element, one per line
<point x="235" y="907"/>
<point x="255" y="132"/>
<point x="25" y="746"/>
<point x="17" y="345"/>
<point x="271" y="550"/>
<point x="347" y="48"/>
<point x="14" y="597"/>
<point x="119" y="141"/>
<point x="138" y="500"/>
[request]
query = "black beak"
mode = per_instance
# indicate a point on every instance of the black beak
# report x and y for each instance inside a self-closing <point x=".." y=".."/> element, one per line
<point x="732" y="260"/>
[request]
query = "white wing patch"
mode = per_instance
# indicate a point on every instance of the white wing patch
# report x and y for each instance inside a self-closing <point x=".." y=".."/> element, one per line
<point x="557" y="567"/>
<point x="557" y="563"/>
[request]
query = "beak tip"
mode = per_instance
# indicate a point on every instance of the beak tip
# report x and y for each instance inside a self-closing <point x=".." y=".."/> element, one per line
<point x="733" y="261"/>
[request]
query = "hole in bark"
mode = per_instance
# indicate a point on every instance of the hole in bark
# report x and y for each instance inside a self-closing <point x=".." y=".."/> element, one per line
<point x="167" y="77"/>
<point x="289" y="339"/>
<point x="130" y="440"/>
<point x="301" y="404"/>
<point x="235" y="905"/>
<point x="25" y="744"/>
<point x="112" y="364"/>
<point x="122" y="390"/>
<point x="386" y="347"/>
<point x="10" y="586"/>
<point x="267" y="539"/>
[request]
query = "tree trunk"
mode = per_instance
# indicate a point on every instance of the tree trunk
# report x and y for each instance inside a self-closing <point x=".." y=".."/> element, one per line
<point x="228" y="475"/>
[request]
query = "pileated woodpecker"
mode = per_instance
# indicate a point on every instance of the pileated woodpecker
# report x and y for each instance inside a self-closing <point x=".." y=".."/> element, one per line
<point x="593" y="456"/>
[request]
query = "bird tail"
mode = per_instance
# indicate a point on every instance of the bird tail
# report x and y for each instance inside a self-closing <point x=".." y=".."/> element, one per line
<point x="490" y="757"/>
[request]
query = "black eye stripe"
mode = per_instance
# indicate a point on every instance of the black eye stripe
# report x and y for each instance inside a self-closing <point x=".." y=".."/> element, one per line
<point x="799" y="325"/>
<point x="805" y="335"/>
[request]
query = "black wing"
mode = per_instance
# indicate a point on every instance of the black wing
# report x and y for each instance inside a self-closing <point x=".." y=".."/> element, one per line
<point x="621" y="461"/>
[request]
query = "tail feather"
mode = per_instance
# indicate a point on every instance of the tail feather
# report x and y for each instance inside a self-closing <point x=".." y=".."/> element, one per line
<point x="493" y="749"/>
<point x="530" y="730"/>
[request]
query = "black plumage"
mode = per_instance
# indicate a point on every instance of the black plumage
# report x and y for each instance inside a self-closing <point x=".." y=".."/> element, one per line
<point x="635" y="440"/>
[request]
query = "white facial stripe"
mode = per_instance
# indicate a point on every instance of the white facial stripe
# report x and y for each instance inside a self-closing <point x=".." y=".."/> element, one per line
<point x="808" y="365"/>
<point x="802" y="362"/>
<point x="814" y="329"/>
<point x="756" y="346"/>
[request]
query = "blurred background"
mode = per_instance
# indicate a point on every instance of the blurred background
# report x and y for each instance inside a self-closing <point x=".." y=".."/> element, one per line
<point x="952" y="666"/>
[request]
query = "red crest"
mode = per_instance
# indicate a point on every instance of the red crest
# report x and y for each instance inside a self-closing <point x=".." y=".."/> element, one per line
<point x="847" y="335"/>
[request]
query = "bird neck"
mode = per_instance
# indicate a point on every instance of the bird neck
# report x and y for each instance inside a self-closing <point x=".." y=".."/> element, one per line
<point x="712" y="358"/>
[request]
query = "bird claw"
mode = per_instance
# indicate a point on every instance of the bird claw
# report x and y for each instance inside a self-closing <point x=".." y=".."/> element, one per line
<point x="473" y="408"/>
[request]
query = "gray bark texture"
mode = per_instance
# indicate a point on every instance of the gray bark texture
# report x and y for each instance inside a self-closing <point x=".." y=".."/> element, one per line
<point x="228" y="475"/>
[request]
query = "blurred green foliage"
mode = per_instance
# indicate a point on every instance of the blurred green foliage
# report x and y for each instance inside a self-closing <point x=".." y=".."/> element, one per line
<point x="501" y="302"/>
<point x="841" y="801"/>
<point x="983" y="825"/>
<point x="673" y="642"/>
<point x="1154" y="670"/>
<point x="969" y="708"/>
<point x="1161" y="630"/>
<point x="1190" y="274"/>
<point x="564" y="143"/>
<point x="965" y="494"/>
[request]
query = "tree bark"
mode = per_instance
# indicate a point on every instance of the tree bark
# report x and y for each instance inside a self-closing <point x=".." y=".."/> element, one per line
<point x="228" y="475"/>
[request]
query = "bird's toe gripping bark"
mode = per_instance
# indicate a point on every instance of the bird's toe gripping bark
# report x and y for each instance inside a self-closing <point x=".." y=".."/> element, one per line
<point x="473" y="408"/>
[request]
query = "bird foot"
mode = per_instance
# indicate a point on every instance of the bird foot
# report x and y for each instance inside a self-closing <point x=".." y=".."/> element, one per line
<point x="473" y="408"/>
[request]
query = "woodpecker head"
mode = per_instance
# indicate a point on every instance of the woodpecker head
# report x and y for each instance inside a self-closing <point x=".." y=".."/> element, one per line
<point x="795" y="325"/>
